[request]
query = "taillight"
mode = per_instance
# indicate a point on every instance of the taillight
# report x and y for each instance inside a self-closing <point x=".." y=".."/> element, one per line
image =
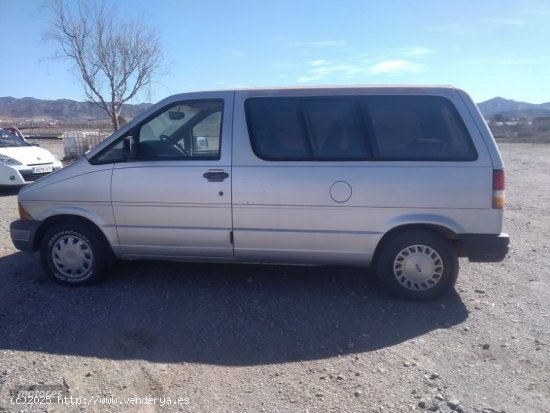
<point x="498" y="189"/>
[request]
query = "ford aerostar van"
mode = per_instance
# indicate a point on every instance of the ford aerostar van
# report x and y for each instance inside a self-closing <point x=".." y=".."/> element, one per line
<point x="406" y="179"/>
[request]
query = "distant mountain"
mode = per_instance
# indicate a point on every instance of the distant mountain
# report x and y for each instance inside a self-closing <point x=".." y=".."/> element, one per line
<point x="512" y="109"/>
<point x="61" y="109"/>
<point x="70" y="110"/>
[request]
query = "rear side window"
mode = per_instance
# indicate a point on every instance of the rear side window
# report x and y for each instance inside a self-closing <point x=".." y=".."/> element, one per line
<point x="416" y="128"/>
<point x="277" y="129"/>
<point x="386" y="128"/>
<point x="333" y="129"/>
<point x="286" y="129"/>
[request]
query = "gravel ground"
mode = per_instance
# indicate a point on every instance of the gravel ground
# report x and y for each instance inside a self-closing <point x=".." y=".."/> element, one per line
<point x="235" y="338"/>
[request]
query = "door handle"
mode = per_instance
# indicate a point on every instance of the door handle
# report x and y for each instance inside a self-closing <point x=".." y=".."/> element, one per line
<point x="216" y="175"/>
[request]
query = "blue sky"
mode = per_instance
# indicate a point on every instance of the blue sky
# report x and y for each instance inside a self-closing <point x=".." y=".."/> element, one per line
<point x="489" y="48"/>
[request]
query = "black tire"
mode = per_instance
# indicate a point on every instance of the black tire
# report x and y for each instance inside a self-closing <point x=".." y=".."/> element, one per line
<point x="75" y="253"/>
<point x="417" y="265"/>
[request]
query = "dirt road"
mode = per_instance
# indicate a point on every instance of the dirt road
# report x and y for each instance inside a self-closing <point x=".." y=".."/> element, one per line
<point x="235" y="338"/>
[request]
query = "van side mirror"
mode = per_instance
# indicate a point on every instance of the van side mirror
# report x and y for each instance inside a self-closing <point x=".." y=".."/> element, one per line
<point x="130" y="147"/>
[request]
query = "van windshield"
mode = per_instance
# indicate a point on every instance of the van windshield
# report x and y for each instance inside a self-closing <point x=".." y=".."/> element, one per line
<point x="8" y="139"/>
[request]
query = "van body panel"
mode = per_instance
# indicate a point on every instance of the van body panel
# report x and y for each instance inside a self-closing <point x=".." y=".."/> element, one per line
<point x="167" y="208"/>
<point x="63" y="194"/>
<point x="175" y="212"/>
<point x="99" y="213"/>
<point x="375" y="186"/>
<point x="477" y="120"/>
<point x="66" y="184"/>
<point x="284" y="208"/>
<point x="285" y="233"/>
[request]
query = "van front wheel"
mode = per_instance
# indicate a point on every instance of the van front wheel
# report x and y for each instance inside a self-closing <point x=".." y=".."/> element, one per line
<point x="417" y="265"/>
<point x="74" y="254"/>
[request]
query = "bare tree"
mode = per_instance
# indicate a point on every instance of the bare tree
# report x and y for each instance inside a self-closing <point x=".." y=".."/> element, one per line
<point x="114" y="60"/>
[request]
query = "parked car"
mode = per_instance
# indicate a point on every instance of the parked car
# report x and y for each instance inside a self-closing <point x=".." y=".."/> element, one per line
<point x="15" y="130"/>
<point x="21" y="162"/>
<point x="406" y="179"/>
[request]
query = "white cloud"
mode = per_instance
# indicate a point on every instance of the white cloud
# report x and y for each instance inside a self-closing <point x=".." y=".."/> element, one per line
<point x="418" y="51"/>
<point x="318" y="62"/>
<point x="394" y="67"/>
<point x="363" y="66"/>
<point x="321" y="69"/>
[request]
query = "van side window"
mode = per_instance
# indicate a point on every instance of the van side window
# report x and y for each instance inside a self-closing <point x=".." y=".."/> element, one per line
<point x="291" y="129"/>
<point x="409" y="128"/>
<point x="277" y="130"/>
<point x="185" y="130"/>
<point x="189" y="130"/>
<point x="333" y="130"/>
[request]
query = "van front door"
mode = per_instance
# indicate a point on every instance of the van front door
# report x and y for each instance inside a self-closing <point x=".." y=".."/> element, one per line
<point x="173" y="199"/>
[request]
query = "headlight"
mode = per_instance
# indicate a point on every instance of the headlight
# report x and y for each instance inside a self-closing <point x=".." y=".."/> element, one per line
<point x="9" y="161"/>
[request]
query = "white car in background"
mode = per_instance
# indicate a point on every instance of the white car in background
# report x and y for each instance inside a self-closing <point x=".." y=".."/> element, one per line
<point x="21" y="162"/>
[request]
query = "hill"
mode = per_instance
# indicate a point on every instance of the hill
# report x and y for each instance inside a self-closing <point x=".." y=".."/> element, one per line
<point x="60" y="109"/>
<point x="512" y="109"/>
<point x="70" y="110"/>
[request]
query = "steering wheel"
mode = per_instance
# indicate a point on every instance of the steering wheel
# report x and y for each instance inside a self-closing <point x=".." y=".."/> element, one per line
<point x="165" y="139"/>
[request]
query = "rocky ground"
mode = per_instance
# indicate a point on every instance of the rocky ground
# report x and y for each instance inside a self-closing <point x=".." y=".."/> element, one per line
<point x="235" y="338"/>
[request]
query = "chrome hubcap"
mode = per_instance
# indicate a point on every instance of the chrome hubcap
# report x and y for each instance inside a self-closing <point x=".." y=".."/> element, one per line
<point x="72" y="256"/>
<point x="418" y="267"/>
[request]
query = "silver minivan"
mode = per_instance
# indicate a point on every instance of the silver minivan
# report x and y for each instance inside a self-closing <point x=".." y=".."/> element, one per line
<point x="406" y="179"/>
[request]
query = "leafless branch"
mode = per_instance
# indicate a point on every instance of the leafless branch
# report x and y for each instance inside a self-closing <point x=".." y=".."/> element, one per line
<point x="114" y="60"/>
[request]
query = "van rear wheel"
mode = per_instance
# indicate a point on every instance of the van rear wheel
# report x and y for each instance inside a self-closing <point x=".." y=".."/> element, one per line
<point x="417" y="265"/>
<point x="75" y="253"/>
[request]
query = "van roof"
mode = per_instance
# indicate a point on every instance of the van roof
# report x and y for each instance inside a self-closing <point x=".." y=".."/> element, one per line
<point x="332" y="87"/>
<point x="319" y="90"/>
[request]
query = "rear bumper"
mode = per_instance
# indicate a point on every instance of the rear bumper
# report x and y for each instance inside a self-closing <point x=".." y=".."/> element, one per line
<point x="22" y="234"/>
<point x="484" y="247"/>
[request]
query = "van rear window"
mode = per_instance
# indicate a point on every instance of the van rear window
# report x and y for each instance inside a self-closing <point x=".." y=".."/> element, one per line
<point x="401" y="128"/>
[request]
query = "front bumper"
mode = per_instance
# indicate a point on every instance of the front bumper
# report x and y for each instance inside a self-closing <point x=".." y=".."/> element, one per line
<point x="23" y="233"/>
<point x="484" y="247"/>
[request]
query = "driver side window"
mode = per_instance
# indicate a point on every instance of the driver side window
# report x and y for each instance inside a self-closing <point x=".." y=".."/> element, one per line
<point x="187" y="130"/>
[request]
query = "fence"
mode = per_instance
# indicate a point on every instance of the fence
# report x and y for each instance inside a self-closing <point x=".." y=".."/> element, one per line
<point x="76" y="143"/>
